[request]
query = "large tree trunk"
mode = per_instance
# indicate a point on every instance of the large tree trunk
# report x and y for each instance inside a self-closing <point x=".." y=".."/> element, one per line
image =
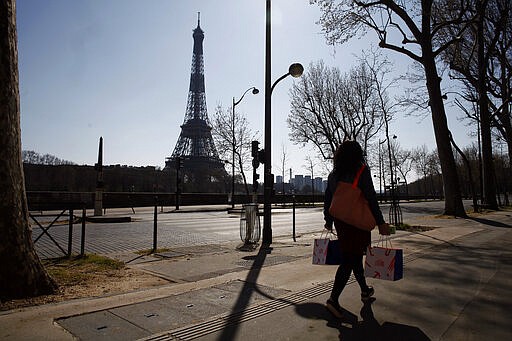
<point x="489" y="189"/>
<point x="507" y="130"/>
<point x="21" y="272"/>
<point x="453" y="198"/>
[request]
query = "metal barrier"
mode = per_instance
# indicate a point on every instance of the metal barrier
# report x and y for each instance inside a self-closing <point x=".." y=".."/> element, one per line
<point x="45" y="229"/>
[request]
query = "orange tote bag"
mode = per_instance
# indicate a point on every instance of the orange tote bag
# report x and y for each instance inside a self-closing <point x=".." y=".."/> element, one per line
<point x="350" y="206"/>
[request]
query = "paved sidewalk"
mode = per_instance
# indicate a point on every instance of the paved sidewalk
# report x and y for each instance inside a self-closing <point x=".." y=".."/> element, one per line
<point x="456" y="286"/>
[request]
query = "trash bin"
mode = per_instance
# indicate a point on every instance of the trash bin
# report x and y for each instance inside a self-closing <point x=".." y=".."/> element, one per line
<point x="250" y="228"/>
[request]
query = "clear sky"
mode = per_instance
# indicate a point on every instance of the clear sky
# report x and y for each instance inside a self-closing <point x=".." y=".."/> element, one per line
<point x="121" y="69"/>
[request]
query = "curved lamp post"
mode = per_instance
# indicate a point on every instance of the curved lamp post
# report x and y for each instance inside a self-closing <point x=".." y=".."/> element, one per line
<point x="235" y="103"/>
<point x="295" y="70"/>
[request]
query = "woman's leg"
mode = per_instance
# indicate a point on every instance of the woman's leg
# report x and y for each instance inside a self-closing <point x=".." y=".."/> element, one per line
<point x="342" y="276"/>
<point x="357" y="263"/>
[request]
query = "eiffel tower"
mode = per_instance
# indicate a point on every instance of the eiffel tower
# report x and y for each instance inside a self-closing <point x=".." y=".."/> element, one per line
<point x="195" y="147"/>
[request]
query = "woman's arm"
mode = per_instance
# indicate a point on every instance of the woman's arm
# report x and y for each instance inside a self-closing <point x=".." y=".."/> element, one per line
<point x="331" y="182"/>
<point x="366" y="186"/>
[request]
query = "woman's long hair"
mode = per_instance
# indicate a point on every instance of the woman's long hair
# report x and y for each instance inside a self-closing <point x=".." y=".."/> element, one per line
<point x="348" y="158"/>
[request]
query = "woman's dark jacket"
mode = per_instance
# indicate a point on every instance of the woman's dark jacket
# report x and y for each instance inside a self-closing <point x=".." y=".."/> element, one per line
<point x="352" y="239"/>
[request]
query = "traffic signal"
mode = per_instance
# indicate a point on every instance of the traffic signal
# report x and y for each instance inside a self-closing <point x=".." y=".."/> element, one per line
<point x="254" y="148"/>
<point x="255" y="154"/>
<point x="255" y="162"/>
<point x="258" y="155"/>
<point x="255" y="177"/>
<point x="261" y="156"/>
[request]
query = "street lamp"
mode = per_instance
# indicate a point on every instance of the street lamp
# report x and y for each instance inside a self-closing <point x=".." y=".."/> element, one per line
<point x="381" y="172"/>
<point x="295" y="70"/>
<point x="235" y="103"/>
<point x="395" y="212"/>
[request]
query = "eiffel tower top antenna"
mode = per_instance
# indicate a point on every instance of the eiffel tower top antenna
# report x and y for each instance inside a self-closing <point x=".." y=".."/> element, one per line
<point x="198" y="18"/>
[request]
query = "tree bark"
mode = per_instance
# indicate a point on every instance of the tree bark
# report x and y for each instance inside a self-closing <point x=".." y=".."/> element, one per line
<point x="489" y="189"/>
<point x="22" y="273"/>
<point x="452" y="193"/>
<point x="453" y="199"/>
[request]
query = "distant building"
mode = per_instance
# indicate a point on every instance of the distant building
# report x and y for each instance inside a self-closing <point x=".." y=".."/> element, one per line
<point x="298" y="182"/>
<point x="279" y="179"/>
<point x="319" y="186"/>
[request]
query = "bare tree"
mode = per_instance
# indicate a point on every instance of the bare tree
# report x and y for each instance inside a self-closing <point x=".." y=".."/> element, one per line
<point x="496" y="42"/>
<point x="403" y="161"/>
<point x="329" y="107"/>
<point x="30" y="156"/>
<point x="498" y="20"/>
<point x="414" y="26"/>
<point x="481" y="59"/>
<point x="434" y="170"/>
<point x="467" y="164"/>
<point x="284" y="158"/>
<point x="240" y="142"/>
<point x="310" y="167"/>
<point x="22" y="273"/>
<point x="420" y="157"/>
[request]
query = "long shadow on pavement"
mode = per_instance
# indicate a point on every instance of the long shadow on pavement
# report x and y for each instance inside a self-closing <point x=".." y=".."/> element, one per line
<point x="367" y="329"/>
<point x="250" y="286"/>
<point x="490" y="222"/>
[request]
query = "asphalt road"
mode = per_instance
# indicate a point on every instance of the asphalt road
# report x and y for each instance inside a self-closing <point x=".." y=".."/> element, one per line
<point x="184" y="229"/>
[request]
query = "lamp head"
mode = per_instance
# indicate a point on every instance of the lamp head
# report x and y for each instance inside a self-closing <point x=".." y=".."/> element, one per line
<point x="296" y="70"/>
<point x="255" y="91"/>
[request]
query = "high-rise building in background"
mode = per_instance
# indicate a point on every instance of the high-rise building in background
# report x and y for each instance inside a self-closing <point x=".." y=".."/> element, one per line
<point x="298" y="182"/>
<point x="307" y="180"/>
<point x="319" y="187"/>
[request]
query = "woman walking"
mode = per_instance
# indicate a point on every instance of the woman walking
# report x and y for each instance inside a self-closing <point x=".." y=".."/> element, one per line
<point x="348" y="160"/>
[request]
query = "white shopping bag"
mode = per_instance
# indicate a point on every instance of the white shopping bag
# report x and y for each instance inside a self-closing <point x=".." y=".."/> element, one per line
<point x="384" y="263"/>
<point x="320" y="251"/>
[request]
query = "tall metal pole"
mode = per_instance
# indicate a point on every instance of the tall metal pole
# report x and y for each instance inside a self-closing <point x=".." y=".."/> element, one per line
<point x="380" y="171"/>
<point x="70" y="232"/>
<point x="178" y="182"/>
<point x="267" y="178"/>
<point x="155" y="225"/>
<point x="235" y="103"/>
<point x="233" y="159"/>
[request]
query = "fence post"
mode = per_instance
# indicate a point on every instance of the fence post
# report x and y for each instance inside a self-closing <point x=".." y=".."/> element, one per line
<point x="155" y="225"/>
<point x="294" y="218"/>
<point x="82" y="242"/>
<point x="70" y="232"/>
